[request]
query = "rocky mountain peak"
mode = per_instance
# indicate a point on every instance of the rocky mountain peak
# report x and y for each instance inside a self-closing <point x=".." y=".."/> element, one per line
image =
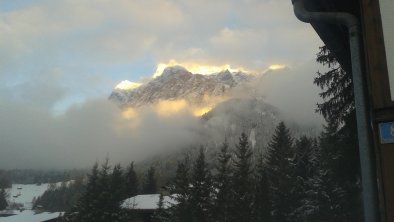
<point x="175" y="70"/>
<point x="176" y="83"/>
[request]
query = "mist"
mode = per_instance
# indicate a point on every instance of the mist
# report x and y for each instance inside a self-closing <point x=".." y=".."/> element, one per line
<point x="33" y="138"/>
<point x="291" y="90"/>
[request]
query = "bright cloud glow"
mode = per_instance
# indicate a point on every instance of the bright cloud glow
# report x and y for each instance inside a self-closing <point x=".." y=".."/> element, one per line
<point x="169" y="107"/>
<point x="277" y="66"/>
<point x="127" y="85"/>
<point x="129" y="113"/>
<point x="196" y="68"/>
<point x="201" y="111"/>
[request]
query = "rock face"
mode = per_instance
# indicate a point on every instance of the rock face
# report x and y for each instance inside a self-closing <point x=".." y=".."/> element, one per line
<point x="178" y="83"/>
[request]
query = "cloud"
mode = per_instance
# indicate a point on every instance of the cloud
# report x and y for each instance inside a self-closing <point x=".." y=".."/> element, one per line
<point x="81" y="37"/>
<point x="290" y="89"/>
<point x="30" y="138"/>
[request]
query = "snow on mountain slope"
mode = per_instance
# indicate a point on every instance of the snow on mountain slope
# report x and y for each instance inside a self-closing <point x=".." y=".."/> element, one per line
<point x="178" y="83"/>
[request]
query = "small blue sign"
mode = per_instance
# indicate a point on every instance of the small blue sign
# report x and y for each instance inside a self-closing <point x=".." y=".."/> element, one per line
<point x="386" y="132"/>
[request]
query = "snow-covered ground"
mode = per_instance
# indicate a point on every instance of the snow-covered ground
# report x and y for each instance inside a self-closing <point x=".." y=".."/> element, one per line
<point x="30" y="216"/>
<point x="24" y="194"/>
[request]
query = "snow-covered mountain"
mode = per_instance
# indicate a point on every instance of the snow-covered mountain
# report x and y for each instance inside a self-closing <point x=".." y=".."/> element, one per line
<point x="178" y="83"/>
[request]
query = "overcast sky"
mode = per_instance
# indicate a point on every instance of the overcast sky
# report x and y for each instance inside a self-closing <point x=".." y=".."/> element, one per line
<point x="57" y="57"/>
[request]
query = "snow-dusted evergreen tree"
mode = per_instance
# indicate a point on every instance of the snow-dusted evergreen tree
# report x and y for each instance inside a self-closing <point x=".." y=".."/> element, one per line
<point x="242" y="187"/>
<point x="201" y="201"/>
<point x="305" y="170"/>
<point x="99" y="203"/>
<point x="150" y="183"/>
<point x="86" y="207"/>
<point x="304" y="157"/>
<point x="222" y="185"/>
<point x="116" y="183"/>
<point x="333" y="199"/>
<point x="116" y="191"/>
<point x="280" y="172"/>
<point x="338" y="109"/>
<point x="131" y="182"/>
<point x="3" y="199"/>
<point x="104" y="197"/>
<point x="180" y="188"/>
<point x="261" y="210"/>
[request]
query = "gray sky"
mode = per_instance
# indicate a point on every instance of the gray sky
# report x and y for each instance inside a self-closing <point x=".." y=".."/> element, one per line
<point x="59" y="60"/>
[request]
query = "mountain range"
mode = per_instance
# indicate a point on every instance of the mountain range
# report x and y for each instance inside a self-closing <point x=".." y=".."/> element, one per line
<point x="241" y="108"/>
<point x="177" y="83"/>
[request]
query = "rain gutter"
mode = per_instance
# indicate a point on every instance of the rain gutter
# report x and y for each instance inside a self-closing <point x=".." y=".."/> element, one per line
<point x="364" y="126"/>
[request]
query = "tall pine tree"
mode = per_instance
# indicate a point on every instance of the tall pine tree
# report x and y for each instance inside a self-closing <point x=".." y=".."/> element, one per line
<point x="116" y="191"/>
<point x="86" y="207"/>
<point x="338" y="110"/>
<point x="131" y="182"/>
<point x="150" y="183"/>
<point x="280" y="166"/>
<point x="304" y="173"/>
<point x="181" y="193"/>
<point x="261" y="210"/>
<point x="242" y="181"/>
<point x="201" y="190"/>
<point x="102" y="212"/>
<point x="222" y="185"/>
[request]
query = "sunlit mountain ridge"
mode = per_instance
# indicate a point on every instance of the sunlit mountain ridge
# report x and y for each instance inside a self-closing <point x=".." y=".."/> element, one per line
<point x="177" y="89"/>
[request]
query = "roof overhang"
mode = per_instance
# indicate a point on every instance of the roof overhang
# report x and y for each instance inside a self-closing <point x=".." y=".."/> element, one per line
<point x="335" y="37"/>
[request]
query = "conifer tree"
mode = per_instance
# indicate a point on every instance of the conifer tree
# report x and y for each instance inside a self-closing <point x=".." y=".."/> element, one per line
<point x="280" y="168"/>
<point x="242" y="182"/>
<point x="150" y="183"/>
<point x="335" y="182"/>
<point x="104" y="197"/>
<point x="180" y="190"/>
<point x="116" y="191"/>
<point x="201" y="190"/>
<point x="304" y="173"/>
<point x="338" y="89"/>
<point x="131" y="182"/>
<point x="3" y="199"/>
<point x="222" y="185"/>
<point x="261" y="200"/>
<point x="338" y="109"/>
<point x="303" y="160"/>
<point x="85" y="208"/>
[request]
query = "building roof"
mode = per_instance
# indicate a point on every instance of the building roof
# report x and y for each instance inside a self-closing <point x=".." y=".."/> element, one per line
<point x="147" y="202"/>
<point x="335" y="36"/>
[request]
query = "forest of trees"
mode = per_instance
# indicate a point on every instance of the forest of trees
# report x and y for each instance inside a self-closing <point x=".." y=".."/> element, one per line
<point x="293" y="179"/>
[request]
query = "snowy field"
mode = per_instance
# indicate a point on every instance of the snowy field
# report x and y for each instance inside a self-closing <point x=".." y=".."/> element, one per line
<point x="24" y="194"/>
<point x="29" y="216"/>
